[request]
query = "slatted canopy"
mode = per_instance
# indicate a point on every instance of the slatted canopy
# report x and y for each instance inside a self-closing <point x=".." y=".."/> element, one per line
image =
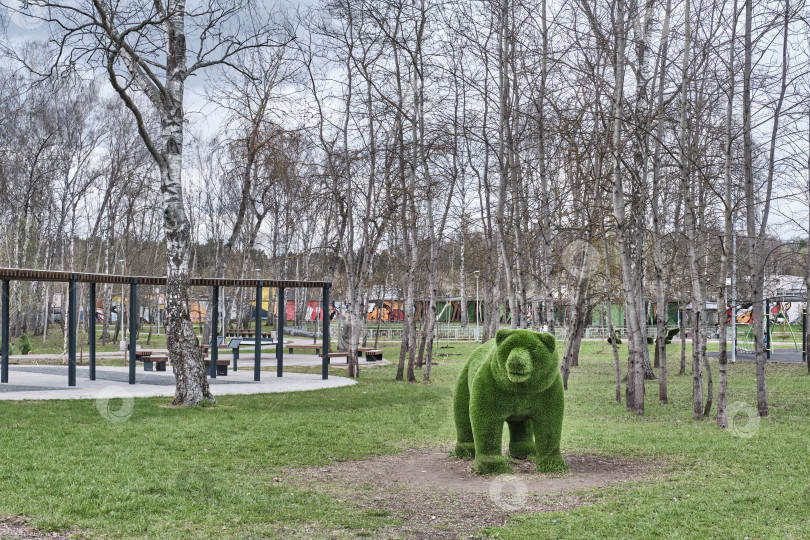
<point x="22" y="274"/>
<point x="7" y="275"/>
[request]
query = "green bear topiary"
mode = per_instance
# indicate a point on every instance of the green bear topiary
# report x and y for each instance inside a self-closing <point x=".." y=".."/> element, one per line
<point x="514" y="378"/>
<point x="616" y="337"/>
<point x="25" y="344"/>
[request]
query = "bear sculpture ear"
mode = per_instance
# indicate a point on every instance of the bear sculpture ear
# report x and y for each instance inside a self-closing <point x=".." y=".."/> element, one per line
<point x="502" y="334"/>
<point x="548" y="340"/>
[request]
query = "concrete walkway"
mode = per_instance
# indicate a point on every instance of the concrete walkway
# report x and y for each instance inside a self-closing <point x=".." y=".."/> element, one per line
<point x="245" y="361"/>
<point x="35" y="381"/>
<point x="50" y="382"/>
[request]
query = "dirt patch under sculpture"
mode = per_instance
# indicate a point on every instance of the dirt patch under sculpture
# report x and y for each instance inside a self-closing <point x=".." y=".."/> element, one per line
<point x="16" y="527"/>
<point x="439" y="497"/>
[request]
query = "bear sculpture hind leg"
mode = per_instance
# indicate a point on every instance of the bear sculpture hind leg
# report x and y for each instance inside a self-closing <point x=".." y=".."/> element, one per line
<point x="465" y="447"/>
<point x="547" y="425"/>
<point x="521" y="440"/>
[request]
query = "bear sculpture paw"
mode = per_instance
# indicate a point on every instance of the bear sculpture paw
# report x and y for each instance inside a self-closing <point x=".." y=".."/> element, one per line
<point x="552" y="464"/>
<point x="464" y="450"/>
<point x="491" y="465"/>
<point x="522" y="450"/>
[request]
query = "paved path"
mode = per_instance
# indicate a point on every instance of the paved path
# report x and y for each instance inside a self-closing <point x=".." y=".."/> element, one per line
<point x="50" y="382"/>
<point x="782" y="356"/>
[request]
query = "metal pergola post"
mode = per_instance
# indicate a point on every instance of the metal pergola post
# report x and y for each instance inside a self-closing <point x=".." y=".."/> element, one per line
<point x="257" y="349"/>
<point x="5" y="332"/>
<point x="133" y="327"/>
<point x="326" y="347"/>
<point x="72" y="331"/>
<point x="282" y="320"/>
<point x="91" y="326"/>
<point x="72" y="318"/>
<point x="214" y="332"/>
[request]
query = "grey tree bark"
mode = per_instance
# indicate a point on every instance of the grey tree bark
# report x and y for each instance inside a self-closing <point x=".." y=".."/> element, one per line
<point x="722" y="390"/>
<point x="505" y="154"/>
<point x="659" y="220"/>
<point x="690" y="227"/>
<point x="635" y="375"/>
<point x="611" y="332"/>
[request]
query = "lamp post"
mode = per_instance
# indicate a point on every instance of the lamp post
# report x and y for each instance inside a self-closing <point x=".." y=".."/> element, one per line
<point x="733" y="296"/>
<point x="449" y="313"/>
<point x="123" y="343"/>
<point x="477" y="273"/>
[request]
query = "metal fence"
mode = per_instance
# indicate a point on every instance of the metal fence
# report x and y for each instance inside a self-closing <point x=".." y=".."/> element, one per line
<point x="443" y="333"/>
<point x="471" y="333"/>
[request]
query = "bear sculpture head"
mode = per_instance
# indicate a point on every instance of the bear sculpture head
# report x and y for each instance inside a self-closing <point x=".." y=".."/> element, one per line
<point x="526" y="360"/>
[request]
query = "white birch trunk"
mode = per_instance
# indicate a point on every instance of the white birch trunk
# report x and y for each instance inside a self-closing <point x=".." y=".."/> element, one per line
<point x="635" y="375"/>
<point x="184" y="350"/>
<point x="722" y="390"/>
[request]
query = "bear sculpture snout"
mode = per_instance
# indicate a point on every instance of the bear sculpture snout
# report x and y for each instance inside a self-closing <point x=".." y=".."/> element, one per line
<point x="519" y="365"/>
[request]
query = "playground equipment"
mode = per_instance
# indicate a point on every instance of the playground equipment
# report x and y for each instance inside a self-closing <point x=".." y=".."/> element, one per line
<point x="773" y="315"/>
<point x="777" y="313"/>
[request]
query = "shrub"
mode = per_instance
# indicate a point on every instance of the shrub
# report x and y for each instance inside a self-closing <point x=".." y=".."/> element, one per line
<point x="25" y="344"/>
<point x="671" y="333"/>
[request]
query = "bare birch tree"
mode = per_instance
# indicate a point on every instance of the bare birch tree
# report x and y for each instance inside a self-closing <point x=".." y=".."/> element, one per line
<point x="146" y="52"/>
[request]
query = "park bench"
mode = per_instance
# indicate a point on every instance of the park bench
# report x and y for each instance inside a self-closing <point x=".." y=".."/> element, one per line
<point x="337" y="355"/>
<point x="247" y="333"/>
<point x="151" y="362"/>
<point x="372" y="355"/>
<point x="156" y="362"/>
<point x="308" y="347"/>
<point x="222" y="365"/>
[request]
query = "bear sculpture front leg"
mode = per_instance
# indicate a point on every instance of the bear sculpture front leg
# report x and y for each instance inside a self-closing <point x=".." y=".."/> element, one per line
<point x="487" y="426"/>
<point x="547" y="423"/>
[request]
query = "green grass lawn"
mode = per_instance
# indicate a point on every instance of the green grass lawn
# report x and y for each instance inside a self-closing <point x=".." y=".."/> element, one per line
<point x="53" y="341"/>
<point x="212" y="472"/>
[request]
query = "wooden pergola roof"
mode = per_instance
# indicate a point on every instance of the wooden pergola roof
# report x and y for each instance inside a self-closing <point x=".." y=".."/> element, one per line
<point x="23" y="274"/>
